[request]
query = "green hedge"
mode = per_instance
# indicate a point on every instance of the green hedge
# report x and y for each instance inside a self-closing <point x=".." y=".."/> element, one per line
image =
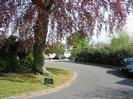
<point x="105" y="55"/>
<point x="13" y="57"/>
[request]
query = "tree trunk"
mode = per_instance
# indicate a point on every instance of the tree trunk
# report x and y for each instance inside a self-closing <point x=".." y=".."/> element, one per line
<point x="40" y="29"/>
<point x="40" y="39"/>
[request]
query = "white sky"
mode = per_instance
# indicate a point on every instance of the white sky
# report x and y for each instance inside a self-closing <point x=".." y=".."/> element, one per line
<point x="104" y="38"/>
<point x="129" y="25"/>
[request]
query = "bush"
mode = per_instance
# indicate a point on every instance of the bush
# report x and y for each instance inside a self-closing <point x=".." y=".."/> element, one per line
<point x="13" y="57"/>
<point x="105" y="55"/>
<point x="25" y="63"/>
<point x="3" y="65"/>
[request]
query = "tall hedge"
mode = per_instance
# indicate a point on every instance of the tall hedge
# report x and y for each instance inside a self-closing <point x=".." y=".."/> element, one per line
<point x="105" y="55"/>
<point x="13" y="58"/>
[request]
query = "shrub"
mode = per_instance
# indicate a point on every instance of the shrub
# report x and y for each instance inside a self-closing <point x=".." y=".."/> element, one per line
<point x="105" y="55"/>
<point x="12" y="54"/>
<point x="3" y="65"/>
<point x="25" y="63"/>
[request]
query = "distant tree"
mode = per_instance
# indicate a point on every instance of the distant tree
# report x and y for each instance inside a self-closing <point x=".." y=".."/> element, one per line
<point x="78" y="40"/>
<point x="122" y="40"/>
<point x="56" y="47"/>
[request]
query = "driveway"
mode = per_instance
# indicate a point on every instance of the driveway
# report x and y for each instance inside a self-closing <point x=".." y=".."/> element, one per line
<point x="93" y="82"/>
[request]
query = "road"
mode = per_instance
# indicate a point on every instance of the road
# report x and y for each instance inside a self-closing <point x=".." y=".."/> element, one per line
<point x="93" y="82"/>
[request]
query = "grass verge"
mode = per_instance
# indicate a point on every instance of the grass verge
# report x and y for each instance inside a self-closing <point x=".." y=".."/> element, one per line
<point x="20" y="84"/>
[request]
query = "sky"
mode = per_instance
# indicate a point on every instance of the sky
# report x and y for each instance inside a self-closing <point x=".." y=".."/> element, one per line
<point x="129" y="25"/>
<point x="104" y="37"/>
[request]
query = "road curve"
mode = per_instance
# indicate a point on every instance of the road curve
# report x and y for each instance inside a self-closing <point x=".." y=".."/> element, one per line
<point x="93" y="82"/>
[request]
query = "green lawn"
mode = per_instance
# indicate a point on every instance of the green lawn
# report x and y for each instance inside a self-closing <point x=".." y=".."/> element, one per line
<point x="20" y="84"/>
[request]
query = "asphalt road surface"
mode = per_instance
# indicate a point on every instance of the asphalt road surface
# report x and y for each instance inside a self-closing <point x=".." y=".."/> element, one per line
<point x="93" y="82"/>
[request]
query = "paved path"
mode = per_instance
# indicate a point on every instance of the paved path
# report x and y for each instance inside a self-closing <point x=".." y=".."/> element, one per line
<point x="93" y="82"/>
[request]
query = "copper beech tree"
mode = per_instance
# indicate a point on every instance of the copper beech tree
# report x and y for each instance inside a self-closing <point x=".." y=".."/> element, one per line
<point x="56" y="19"/>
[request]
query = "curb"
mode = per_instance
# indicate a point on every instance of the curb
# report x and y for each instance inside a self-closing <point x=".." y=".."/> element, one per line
<point x="30" y="95"/>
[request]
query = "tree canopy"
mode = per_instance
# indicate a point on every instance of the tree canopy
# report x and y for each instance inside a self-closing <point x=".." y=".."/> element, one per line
<point x="123" y="40"/>
<point x="64" y="16"/>
<point x="78" y="40"/>
<point x="57" y="48"/>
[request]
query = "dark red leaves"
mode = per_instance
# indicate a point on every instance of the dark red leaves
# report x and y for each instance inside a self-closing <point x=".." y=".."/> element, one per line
<point x="66" y="15"/>
<point x="38" y="2"/>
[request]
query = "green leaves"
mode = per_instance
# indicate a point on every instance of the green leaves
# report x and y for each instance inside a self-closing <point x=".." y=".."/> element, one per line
<point x="105" y="55"/>
<point x="13" y="57"/>
<point x="123" y="40"/>
<point x="78" y="40"/>
<point x="55" y="48"/>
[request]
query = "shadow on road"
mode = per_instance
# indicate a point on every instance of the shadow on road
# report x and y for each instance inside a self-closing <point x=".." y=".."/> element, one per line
<point x="116" y="72"/>
<point x="111" y="93"/>
<point x="126" y="79"/>
<point x="128" y="82"/>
